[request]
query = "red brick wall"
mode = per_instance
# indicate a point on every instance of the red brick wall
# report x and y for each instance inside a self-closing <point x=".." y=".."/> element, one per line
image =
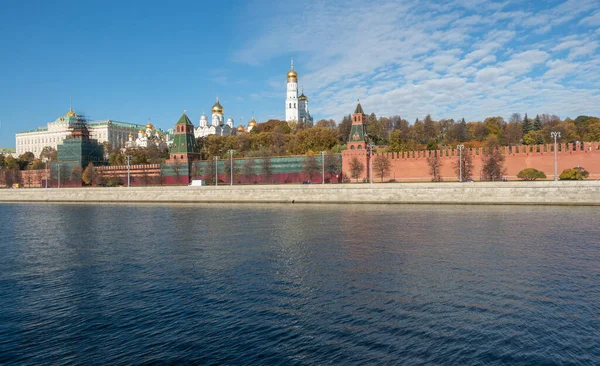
<point x="412" y="166"/>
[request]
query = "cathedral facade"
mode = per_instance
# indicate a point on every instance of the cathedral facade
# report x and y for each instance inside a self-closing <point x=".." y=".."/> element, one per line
<point x="296" y="106"/>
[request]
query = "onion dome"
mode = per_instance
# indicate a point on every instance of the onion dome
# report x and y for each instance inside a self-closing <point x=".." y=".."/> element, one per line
<point x="241" y="128"/>
<point x="252" y="123"/>
<point x="149" y="125"/>
<point x="70" y="113"/>
<point x="203" y="117"/>
<point x="141" y="131"/>
<point x="292" y="75"/>
<point x="230" y="120"/>
<point x="217" y="108"/>
<point x="130" y="135"/>
<point x="302" y="96"/>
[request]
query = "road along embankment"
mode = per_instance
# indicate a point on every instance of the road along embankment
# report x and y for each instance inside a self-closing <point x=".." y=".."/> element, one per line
<point x="499" y="193"/>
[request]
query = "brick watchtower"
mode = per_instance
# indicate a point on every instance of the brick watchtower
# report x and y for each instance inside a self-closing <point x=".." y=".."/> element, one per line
<point x="357" y="146"/>
<point x="184" y="148"/>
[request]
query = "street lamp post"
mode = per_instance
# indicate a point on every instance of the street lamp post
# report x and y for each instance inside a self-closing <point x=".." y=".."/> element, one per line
<point x="128" y="157"/>
<point x="47" y="172"/>
<point x="555" y="135"/>
<point x="58" y="165"/>
<point x="231" y="167"/>
<point x="371" y="163"/>
<point x="460" y="149"/>
<point x="216" y="170"/>
<point x="323" y="166"/>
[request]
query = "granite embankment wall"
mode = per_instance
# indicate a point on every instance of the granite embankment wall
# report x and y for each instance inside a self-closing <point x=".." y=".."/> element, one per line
<point x="525" y="193"/>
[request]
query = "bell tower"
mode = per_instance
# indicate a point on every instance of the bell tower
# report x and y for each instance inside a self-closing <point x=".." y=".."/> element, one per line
<point x="291" y="100"/>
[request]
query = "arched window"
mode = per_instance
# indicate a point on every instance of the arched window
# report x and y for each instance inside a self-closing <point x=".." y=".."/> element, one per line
<point x="360" y="147"/>
<point x="351" y="147"/>
<point x="182" y="156"/>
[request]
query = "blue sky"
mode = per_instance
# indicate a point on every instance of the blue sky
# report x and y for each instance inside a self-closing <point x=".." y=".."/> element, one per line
<point x="134" y="60"/>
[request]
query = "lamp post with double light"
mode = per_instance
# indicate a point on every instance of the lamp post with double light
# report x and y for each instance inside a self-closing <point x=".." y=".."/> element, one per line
<point x="460" y="149"/>
<point x="555" y="135"/>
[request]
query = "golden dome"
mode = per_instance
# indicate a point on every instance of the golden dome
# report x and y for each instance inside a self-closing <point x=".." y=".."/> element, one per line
<point x="149" y="126"/>
<point x="217" y="108"/>
<point x="252" y="123"/>
<point x="130" y="135"/>
<point x="241" y="128"/>
<point x="292" y="74"/>
<point x="303" y="97"/>
<point x="141" y="131"/>
<point x="70" y="113"/>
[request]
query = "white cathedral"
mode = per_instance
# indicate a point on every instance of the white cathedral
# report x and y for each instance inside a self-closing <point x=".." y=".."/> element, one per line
<point x="218" y="126"/>
<point x="296" y="107"/>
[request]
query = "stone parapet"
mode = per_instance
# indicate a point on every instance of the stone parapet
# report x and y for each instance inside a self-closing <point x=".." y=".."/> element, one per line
<point x="504" y="193"/>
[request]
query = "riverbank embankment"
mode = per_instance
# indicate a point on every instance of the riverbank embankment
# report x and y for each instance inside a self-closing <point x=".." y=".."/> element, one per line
<point x="505" y="193"/>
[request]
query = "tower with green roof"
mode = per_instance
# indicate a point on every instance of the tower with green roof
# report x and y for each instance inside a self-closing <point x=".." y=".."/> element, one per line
<point x="358" y="144"/>
<point x="184" y="147"/>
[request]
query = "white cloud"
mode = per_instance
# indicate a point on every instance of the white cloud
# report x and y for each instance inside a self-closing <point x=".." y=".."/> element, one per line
<point x="592" y="20"/>
<point x="413" y="58"/>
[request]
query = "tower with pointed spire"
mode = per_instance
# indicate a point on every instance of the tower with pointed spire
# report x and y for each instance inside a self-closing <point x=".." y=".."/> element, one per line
<point x="291" y="100"/>
<point x="184" y="148"/>
<point x="358" y="143"/>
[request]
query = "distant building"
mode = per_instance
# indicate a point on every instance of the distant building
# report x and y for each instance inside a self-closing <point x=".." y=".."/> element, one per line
<point x="114" y="132"/>
<point x="217" y="126"/>
<point x="148" y="137"/>
<point x="296" y="107"/>
<point x="9" y="151"/>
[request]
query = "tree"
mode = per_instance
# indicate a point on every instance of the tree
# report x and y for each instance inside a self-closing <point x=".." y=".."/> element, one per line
<point x="39" y="175"/>
<point x="64" y="177"/>
<point x="48" y="153"/>
<point x="146" y="178"/>
<point x="531" y="174"/>
<point x="493" y="160"/>
<point x="513" y="133"/>
<point x="527" y="125"/>
<point x="267" y="168"/>
<point x="311" y="166"/>
<point x="249" y="169"/>
<point x="28" y="157"/>
<point x="229" y="168"/>
<point x="28" y="179"/>
<point x="356" y="168"/>
<point x="382" y="165"/>
<point x="515" y="118"/>
<point x="429" y="129"/>
<point x="196" y="169"/>
<point x="210" y="172"/>
<point x="177" y="167"/>
<point x="577" y="173"/>
<point x="333" y="165"/>
<point x="89" y="174"/>
<point x="467" y="166"/>
<point x="76" y="174"/>
<point x="435" y="164"/>
<point x="537" y="123"/>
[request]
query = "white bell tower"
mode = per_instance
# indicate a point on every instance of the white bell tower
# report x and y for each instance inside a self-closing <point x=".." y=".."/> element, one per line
<point x="291" y="101"/>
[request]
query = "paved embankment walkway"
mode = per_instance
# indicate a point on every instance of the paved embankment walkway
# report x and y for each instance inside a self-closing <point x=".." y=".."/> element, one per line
<point x="507" y="193"/>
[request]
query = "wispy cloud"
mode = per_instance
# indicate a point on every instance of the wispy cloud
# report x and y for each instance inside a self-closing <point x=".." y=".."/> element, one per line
<point x="466" y="58"/>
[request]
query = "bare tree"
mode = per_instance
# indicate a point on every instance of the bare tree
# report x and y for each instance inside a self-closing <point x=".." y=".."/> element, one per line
<point x="177" y="166"/>
<point x="28" y="179"/>
<point x="310" y="166"/>
<point x="267" y="168"/>
<point x="249" y="169"/>
<point x="39" y="176"/>
<point x="209" y="172"/>
<point x="382" y="165"/>
<point x="356" y="168"/>
<point x="146" y="175"/>
<point x="76" y="174"/>
<point x="467" y="166"/>
<point x="435" y="164"/>
<point x="333" y="165"/>
<point x="227" y="163"/>
<point x="493" y="160"/>
<point x="89" y="174"/>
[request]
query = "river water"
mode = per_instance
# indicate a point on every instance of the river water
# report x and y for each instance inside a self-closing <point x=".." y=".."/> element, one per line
<point x="299" y="284"/>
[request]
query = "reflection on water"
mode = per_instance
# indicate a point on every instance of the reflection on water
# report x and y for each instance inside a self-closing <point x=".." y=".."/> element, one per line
<point x="297" y="284"/>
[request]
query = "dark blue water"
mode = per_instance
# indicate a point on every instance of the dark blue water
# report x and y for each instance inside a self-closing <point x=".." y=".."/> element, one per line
<point x="299" y="284"/>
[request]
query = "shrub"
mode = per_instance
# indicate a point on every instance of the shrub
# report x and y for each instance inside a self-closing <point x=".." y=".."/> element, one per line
<point x="531" y="174"/>
<point x="576" y="173"/>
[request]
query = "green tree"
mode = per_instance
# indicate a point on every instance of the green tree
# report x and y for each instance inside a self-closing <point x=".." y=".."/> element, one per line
<point x="527" y="125"/>
<point x="356" y="168"/>
<point x="382" y="165"/>
<point x="537" y="123"/>
<point x="531" y="174"/>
